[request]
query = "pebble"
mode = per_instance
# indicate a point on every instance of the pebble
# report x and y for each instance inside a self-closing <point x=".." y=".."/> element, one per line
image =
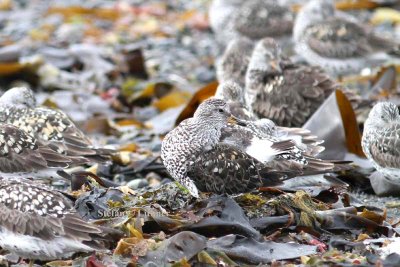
<point x="137" y="183"/>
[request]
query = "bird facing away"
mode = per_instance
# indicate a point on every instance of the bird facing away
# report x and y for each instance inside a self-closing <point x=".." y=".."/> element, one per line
<point x="381" y="139"/>
<point x="194" y="156"/>
<point x="50" y="126"/>
<point x="282" y="91"/>
<point x="39" y="223"/>
<point x="336" y="41"/>
<point x="254" y="19"/>
<point x="232" y="66"/>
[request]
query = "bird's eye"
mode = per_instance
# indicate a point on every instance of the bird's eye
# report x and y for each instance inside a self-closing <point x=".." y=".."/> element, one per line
<point x="220" y="110"/>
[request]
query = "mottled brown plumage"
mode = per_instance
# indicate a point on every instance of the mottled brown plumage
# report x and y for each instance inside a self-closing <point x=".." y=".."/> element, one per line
<point x="253" y="19"/>
<point x="20" y="152"/>
<point x="257" y="19"/>
<point x="39" y="223"/>
<point x="194" y="156"/>
<point x="52" y="127"/>
<point x="381" y="139"/>
<point x="225" y="169"/>
<point x="337" y="41"/>
<point x="282" y="91"/>
<point x="232" y="65"/>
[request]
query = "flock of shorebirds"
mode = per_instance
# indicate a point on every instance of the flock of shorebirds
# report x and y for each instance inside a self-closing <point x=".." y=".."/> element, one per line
<point x="248" y="136"/>
<point x="37" y="222"/>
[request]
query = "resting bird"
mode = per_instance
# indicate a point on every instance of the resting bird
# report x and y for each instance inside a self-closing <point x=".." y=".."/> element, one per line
<point x="252" y="19"/>
<point x="335" y="41"/>
<point x="232" y="66"/>
<point x="52" y="127"/>
<point x="282" y="148"/>
<point x="381" y="139"/>
<point x="22" y="155"/>
<point x="282" y="91"/>
<point x="194" y="156"/>
<point x="234" y="96"/>
<point x="39" y="223"/>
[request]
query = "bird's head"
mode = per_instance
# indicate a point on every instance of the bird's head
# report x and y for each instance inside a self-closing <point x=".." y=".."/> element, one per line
<point x="382" y="114"/>
<point x="230" y="91"/>
<point x="21" y="97"/>
<point x="268" y="54"/>
<point x="318" y="9"/>
<point x="234" y="61"/>
<point x="312" y="12"/>
<point x="215" y="112"/>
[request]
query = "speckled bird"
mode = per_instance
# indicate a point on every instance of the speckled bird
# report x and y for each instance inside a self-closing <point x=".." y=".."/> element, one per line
<point x="381" y="139"/>
<point x="282" y="91"/>
<point x="232" y="66"/>
<point x="194" y="156"/>
<point x="234" y="96"/>
<point x="336" y="41"/>
<point x="283" y="148"/>
<point x="254" y="19"/>
<point x="22" y="155"/>
<point x="52" y="127"/>
<point x="38" y="223"/>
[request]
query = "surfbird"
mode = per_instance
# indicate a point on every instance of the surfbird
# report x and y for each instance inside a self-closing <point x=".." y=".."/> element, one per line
<point x="39" y="223"/>
<point x="283" y="148"/>
<point x="280" y="90"/>
<point x="52" y="127"/>
<point x="22" y="155"/>
<point x="234" y="95"/>
<point x="232" y="65"/>
<point x="195" y="157"/>
<point x="381" y="139"/>
<point x="235" y="98"/>
<point x="252" y="19"/>
<point x="336" y="41"/>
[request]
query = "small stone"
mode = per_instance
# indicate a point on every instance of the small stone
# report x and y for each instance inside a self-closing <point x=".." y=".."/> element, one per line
<point x="137" y="183"/>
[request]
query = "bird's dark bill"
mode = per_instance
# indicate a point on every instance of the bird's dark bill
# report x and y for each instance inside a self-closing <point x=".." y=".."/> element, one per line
<point x="234" y="120"/>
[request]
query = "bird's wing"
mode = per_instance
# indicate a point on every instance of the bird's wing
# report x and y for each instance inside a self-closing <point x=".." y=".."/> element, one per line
<point x="339" y="38"/>
<point x="56" y="130"/>
<point x="310" y="143"/>
<point x="46" y="227"/>
<point x="31" y="209"/>
<point x="55" y="125"/>
<point x="236" y="136"/>
<point x="257" y="19"/>
<point x="225" y="169"/>
<point x="20" y="152"/>
<point x="234" y="61"/>
<point x="385" y="147"/>
<point x="291" y="98"/>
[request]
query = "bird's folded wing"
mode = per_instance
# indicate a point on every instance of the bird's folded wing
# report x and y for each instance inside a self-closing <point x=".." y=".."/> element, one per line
<point x="20" y="152"/>
<point x="46" y="227"/>
<point x="289" y="99"/>
<point x="226" y="169"/>
<point x="31" y="209"/>
<point x="250" y="19"/>
<point x="338" y="38"/>
<point x="385" y="148"/>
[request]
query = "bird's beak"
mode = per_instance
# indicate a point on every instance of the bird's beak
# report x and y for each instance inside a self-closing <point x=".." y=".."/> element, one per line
<point x="234" y="120"/>
<point x="275" y="65"/>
